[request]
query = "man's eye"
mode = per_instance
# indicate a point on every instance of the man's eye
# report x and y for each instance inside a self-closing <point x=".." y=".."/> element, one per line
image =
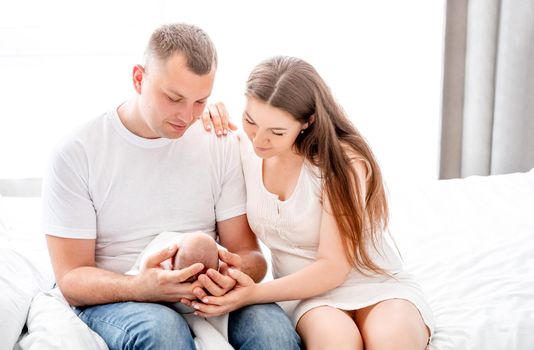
<point x="173" y="100"/>
<point x="277" y="134"/>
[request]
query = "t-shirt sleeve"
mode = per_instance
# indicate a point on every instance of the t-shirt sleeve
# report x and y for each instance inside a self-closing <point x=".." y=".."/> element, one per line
<point x="68" y="210"/>
<point x="231" y="200"/>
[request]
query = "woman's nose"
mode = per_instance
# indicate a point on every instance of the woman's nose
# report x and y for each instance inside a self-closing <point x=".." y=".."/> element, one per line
<point x="259" y="138"/>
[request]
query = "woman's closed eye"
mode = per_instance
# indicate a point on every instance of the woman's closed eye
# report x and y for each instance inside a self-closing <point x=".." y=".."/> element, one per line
<point x="249" y="121"/>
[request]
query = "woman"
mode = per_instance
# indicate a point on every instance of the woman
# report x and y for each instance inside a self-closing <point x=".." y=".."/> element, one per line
<point x="316" y="198"/>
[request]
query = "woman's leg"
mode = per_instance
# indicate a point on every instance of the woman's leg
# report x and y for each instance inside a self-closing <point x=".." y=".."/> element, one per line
<point x="326" y="327"/>
<point x="392" y="324"/>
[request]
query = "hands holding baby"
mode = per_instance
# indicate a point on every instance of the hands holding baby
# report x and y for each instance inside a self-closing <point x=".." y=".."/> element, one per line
<point x="212" y="305"/>
<point x="212" y="275"/>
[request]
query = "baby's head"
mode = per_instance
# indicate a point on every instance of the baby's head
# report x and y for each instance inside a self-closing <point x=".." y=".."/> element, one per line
<point x="197" y="247"/>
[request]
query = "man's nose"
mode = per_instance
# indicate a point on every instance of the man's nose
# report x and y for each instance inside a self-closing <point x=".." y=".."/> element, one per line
<point x="187" y="114"/>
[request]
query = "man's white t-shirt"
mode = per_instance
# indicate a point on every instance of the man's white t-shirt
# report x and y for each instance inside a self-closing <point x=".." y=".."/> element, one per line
<point x="108" y="184"/>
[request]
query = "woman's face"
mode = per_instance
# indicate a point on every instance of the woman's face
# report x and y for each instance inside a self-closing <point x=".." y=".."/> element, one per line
<point x="271" y="130"/>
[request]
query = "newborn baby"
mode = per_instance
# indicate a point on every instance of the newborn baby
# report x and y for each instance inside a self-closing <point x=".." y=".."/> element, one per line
<point x="194" y="248"/>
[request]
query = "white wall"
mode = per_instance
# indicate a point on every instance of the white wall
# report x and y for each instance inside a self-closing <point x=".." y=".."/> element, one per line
<point x="62" y="62"/>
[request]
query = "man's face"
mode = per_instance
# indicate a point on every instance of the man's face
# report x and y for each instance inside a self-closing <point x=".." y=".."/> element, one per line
<point x="171" y="97"/>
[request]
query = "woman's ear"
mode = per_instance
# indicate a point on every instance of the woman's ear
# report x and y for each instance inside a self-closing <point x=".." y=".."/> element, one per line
<point x="308" y="123"/>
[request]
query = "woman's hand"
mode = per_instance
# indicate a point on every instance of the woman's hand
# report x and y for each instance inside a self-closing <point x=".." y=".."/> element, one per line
<point x="216" y="115"/>
<point x="218" y="283"/>
<point x="243" y="294"/>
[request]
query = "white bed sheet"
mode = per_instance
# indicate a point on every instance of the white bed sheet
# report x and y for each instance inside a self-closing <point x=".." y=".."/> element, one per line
<point x="470" y="243"/>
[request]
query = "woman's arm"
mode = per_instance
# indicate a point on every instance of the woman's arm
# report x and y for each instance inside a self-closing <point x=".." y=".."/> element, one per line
<point x="327" y="272"/>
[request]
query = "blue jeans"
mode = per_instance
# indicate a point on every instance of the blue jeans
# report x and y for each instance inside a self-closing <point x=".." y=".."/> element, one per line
<point x="133" y="325"/>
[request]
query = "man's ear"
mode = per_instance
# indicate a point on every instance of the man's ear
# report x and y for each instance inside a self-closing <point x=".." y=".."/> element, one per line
<point x="137" y="76"/>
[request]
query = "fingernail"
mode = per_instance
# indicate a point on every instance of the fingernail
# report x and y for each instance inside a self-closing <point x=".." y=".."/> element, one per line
<point x="205" y="300"/>
<point x="196" y="307"/>
<point x="219" y="132"/>
<point x="208" y="127"/>
<point x="225" y="131"/>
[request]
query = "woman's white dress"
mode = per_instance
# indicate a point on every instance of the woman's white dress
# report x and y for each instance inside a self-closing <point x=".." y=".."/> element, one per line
<point x="290" y="229"/>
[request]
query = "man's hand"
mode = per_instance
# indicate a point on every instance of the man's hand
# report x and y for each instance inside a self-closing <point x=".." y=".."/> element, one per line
<point x="216" y="115"/>
<point x="218" y="283"/>
<point x="156" y="284"/>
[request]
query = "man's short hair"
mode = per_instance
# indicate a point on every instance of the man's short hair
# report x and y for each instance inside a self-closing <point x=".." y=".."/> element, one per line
<point x="186" y="39"/>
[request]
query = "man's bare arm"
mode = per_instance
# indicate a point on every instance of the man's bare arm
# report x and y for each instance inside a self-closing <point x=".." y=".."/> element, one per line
<point x="82" y="283"/>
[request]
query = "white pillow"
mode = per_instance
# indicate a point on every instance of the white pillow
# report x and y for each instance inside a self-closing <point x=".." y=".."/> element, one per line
<point x="19" y="282"/>
<point x="25" y="267"/>
<point x="53" y="325"/>
<point x="474" y="210"/>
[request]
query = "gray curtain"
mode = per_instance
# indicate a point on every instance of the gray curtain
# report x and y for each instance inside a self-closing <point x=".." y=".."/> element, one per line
<point x="488" y="88"/>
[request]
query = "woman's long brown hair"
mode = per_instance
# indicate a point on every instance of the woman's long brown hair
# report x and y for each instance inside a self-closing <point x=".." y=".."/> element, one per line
<point x="330" y="142"/>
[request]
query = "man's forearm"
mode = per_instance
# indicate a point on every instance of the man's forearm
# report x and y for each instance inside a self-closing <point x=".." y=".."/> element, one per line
<point x="91" y="286"/>
<point x="253" y="264"/>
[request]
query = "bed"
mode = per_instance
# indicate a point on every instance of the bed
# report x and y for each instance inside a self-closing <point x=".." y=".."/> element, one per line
<point x="469" y="242"/>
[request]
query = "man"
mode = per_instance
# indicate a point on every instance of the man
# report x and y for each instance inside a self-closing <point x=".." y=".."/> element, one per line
<point x="141" y="169"/>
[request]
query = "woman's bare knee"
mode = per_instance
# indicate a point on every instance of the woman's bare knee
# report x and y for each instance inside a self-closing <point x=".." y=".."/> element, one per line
<point x="326" y="327"/>
<point x="392" y="324"/>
